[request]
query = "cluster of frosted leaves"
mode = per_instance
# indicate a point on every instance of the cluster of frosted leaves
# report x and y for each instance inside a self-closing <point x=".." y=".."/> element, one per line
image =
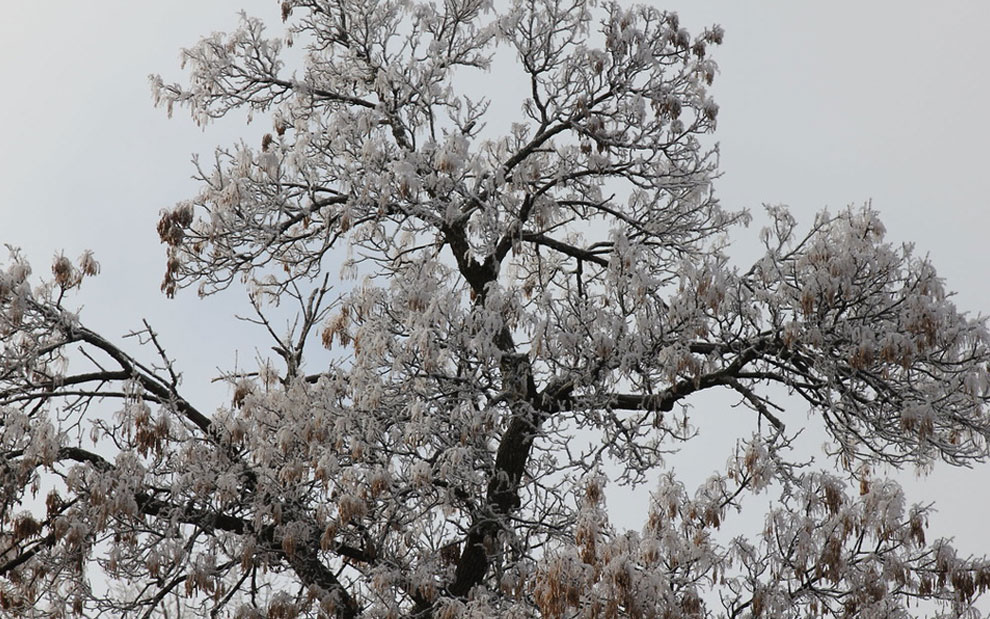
<point x="383" y="476"/>
<point x="29" y="313"/>
<point x="516" y="292"/>
<point x="823" y="552"/>
<point x="34" y="329"/>
<point x="574" y="222"/>
<point x="372" y="146"/>
<point x="873" y="340"/>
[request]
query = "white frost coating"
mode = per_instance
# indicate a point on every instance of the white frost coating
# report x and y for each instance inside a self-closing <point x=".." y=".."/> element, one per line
<point x="515" y="320"/>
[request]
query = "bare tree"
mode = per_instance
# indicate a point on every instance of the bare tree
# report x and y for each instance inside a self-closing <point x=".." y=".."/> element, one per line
<point x="513" y="318"/>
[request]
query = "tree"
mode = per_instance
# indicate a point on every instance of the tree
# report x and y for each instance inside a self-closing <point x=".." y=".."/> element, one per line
<point x="513" y="319"/>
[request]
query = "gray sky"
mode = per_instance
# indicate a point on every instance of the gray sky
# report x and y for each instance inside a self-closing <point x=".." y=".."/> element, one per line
<point x="822" y="104"/>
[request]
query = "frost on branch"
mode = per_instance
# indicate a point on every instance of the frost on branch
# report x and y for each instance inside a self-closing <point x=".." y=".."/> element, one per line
<point x="876" y="342"/>
<point x="822" y="552"/>
<point x="513" y="315"/>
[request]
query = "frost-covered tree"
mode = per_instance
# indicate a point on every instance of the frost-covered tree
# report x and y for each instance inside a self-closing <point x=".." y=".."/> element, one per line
<point x="480" y="316"/>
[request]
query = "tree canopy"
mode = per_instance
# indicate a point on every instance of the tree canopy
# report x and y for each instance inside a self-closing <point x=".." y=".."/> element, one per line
<point x="479" y="318"/>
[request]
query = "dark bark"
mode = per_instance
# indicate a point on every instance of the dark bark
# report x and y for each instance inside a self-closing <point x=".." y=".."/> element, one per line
<point x="502" y="499"/>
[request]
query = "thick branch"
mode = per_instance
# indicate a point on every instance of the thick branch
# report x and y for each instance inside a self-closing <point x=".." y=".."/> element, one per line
<point x="502" y="496"/>
<point x="575" y="252"/>
<point x="322" y="94"/>
<point x="148" y="382"/>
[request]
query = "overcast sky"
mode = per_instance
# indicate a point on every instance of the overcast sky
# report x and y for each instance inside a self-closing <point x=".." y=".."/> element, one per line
<point x="822" y="105"/>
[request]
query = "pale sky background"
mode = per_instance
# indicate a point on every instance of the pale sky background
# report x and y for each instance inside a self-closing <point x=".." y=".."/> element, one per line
<point x="822" y="104"/>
